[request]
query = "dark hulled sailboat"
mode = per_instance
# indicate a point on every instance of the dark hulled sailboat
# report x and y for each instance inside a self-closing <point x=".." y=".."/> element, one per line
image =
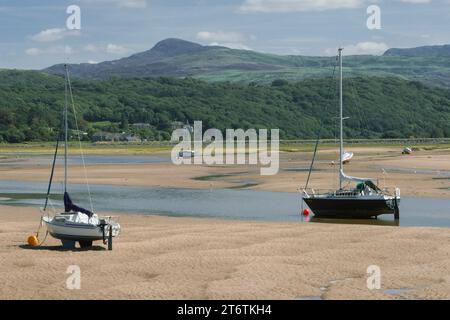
<point x="365" y="200"/>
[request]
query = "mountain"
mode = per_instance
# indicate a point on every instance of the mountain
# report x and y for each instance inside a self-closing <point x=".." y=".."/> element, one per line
<point x="426" y="51"/>
<point x="31" y="105"/>
<point x="172" y="57"/>
<point x="179" y="58"/>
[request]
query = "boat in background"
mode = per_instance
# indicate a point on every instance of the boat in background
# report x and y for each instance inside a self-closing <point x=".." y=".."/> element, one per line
<point x="365" y="200"/>
<point x="407" y="150"/>
<point x="186" y="154"/>
<point x="76" y="224"/>
<point x="347" y="157"/>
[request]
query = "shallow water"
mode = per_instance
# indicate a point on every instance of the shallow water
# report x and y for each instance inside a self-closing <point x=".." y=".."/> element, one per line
<point x="238" y="204"/>
<point x="397" y="291"/>
<point x="442" y="174"/>
<point x="23" y="159"/>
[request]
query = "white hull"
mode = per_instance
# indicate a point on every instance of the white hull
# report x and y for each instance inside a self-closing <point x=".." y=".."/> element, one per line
<point x="186" y="154"/>
<point x="70" y="227"/>
<point x="346" y="157"/>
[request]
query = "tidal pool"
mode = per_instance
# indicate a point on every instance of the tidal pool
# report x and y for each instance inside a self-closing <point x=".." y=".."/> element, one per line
<point x="240" y="204"/>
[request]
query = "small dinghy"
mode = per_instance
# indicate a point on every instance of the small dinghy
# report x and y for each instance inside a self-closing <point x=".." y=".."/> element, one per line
<point x="407" y="151"/>
<point x="186" y="154"/>
<point x="347" y="157"/>
<point x="76" y="224"/>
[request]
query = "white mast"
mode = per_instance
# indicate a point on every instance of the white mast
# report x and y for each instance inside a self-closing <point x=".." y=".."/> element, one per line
<point x="342" y="176"/>
<point x="65" y="129"/>
<point x="341" y="119"/>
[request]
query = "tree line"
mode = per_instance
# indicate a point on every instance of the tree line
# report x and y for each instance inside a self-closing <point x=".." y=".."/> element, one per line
<point x="31" y="105"/>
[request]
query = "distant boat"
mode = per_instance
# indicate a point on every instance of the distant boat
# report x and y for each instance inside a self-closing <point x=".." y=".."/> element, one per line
<point x="76" y="224"/>
<point x="347" y="157"/>
<point x="365" y="200"/>
<point x="186" y="154"/>
<point x="407" y="151"/>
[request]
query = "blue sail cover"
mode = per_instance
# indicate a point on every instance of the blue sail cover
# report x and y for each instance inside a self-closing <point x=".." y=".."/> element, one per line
<point x="71" y="207"/>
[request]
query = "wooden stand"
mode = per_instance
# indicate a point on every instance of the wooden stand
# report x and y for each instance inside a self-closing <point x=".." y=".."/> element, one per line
<point x="396" y="210"/>
<point x="68" y="244"/>
<point x="110" y="238"/>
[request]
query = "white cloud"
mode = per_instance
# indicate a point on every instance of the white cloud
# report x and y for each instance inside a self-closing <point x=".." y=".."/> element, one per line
<point x="116" y="49"/>
<point x="33" y="51"/>
<point x="298" y="5"/>
<point x="132" y="3"/>
<point x="416" y="1"/>
<point x="361" y="48"/>
<point x="137" y="4"/>
<point x="220" y="36"/>
<point x="92" y="62"/>
<point x="54" y="34"/>
<point x="50" y="50"/>
<point x="68" y="50"/>
<point x="90" y="48"/>
<point x="233" y="40"/>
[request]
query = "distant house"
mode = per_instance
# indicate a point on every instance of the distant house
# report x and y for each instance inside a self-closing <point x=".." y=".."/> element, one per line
<point x="188" y="127"/>
<point x="79" y="132"/>
<point x="141" y="125"/>
<point x="115" y="137"/>
<point x="132" y="138"/>
<point x="180" y="125"/>
<point x="106" y="136"/>
<point x="176" y="125"/>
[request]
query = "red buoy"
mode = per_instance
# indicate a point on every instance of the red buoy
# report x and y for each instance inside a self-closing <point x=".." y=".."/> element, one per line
<point x="306" y="212"/>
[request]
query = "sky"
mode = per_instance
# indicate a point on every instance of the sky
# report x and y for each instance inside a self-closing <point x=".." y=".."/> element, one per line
<point x="34" y="34"/>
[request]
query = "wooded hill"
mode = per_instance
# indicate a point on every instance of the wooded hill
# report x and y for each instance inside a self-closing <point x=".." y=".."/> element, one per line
<point x="31" y="106"/>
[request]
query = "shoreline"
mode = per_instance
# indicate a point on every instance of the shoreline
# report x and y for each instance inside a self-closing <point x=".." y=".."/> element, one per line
<point x="424" y="174"/>
<point x="158" y="257"/>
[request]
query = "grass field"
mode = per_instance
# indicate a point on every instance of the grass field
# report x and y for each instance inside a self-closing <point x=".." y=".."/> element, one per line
<point x="165" y="147"/>
<point x="88" y="148"/>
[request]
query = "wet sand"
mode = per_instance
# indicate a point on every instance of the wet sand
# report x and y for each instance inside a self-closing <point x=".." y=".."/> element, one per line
<point x="186" y="258"/>
<point x="422" y="174"/>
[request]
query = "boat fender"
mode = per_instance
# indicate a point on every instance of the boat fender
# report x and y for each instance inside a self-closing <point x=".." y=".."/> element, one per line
<point x="33" y="240"/>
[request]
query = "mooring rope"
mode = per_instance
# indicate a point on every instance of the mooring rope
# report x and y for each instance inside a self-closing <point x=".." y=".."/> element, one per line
<point x="79" y="141"/>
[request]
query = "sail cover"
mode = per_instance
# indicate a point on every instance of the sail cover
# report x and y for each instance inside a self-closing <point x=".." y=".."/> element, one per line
<point x="71" y="207"/>
<point x="354" y="179"/>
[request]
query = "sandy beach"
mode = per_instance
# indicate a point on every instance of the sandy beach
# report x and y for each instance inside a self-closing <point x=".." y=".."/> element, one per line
<point x="185" y="258"/>
<point x="159" y="257"/>
<point x="418" y="175"/>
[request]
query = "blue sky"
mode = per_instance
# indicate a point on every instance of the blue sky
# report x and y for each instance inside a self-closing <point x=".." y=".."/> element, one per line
<point x="33" y="33"/>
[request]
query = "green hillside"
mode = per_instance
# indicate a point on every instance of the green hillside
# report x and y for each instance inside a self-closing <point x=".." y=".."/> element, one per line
<point x="179" y="58"/>
<point x="429" y="51"/>
<point x="31" y="105"/>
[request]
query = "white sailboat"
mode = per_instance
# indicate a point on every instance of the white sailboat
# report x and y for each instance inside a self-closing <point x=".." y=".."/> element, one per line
<point x="76" y="224"/>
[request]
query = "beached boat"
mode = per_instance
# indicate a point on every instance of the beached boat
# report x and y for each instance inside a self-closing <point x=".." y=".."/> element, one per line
<point x="186" y="154"/>
<point x="80" y="225"/>
<point x="365" y="200"/>
<point x="75" y="224"/>
<point x="407" y="150"/>
<point x="347" y="157"/>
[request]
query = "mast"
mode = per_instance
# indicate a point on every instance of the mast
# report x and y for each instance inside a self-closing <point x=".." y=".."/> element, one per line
<point x="341" y="120"/>
<point x="65" y="128"/>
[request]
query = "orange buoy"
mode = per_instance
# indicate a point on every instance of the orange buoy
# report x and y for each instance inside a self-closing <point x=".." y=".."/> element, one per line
<point x="306" y="212"/>
<point x="33" y="241"/>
